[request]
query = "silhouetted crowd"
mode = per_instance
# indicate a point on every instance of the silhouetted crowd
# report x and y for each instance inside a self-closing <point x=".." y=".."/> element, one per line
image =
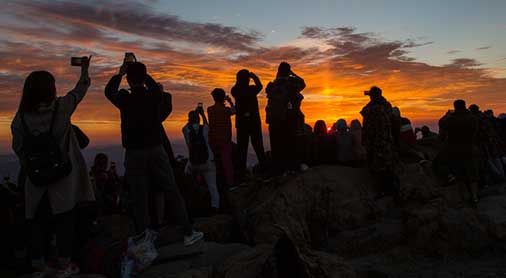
<point x="56" y="195"/>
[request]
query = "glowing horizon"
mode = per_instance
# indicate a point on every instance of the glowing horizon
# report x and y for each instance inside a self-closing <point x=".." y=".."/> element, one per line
<point x="191" y="57"/>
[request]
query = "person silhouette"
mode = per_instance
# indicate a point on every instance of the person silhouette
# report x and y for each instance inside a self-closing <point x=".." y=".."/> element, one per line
<point x="147" y="165"/>
<point x="42" y="112"/>
<point x="247" y="119"/>
<point x="284" y="117"/>
<point x="382" y="157"/>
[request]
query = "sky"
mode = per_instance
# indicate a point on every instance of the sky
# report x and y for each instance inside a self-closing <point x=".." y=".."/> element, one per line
<point x="423" y="54"/>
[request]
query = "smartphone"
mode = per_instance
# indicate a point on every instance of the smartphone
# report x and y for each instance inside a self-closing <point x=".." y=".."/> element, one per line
<point x="200" y="105"/>
<point x="76" y="61"/>
<point x="130" y="58"/>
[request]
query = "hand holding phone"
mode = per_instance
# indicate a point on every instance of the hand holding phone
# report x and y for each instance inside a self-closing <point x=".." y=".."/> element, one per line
<point x="129" y="58"/>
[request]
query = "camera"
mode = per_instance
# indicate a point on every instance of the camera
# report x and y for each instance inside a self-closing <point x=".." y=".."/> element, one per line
<point x="130" y="58"/>
<point x="77" y="61"/>
<point x="367" y="93"/>
<point x="200" y="105"/>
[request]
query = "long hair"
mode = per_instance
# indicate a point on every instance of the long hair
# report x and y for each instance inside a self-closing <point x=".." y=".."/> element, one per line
<point x="39" y="88"/>
<point x="320" y="128"/>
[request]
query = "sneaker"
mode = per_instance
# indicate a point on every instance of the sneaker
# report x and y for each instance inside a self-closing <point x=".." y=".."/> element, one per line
<point x="193" y="238"/>
<point x="67" y="271"/>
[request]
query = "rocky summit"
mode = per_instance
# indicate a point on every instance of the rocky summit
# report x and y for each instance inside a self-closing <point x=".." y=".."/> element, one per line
<point x="325" y="222"/>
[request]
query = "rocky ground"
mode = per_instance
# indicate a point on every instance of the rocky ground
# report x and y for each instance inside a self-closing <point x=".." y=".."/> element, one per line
<point x="326" y="223"/>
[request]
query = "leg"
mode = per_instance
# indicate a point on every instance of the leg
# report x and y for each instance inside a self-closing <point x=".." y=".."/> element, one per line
<point x="137" y="178"/>
<point x="255" y="130"/>
<point x="242" y="145"/>
<point x="164" y="177"/>
<point x="39" y="233"/>
<point x="65" y="229"/>
<point x="228" y="164"/>
<point x="159" y="202"/>
<point x="209" y="173"/>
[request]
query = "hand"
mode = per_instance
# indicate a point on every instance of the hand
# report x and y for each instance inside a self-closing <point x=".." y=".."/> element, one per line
<point x="122" y="69"/>
<point x="227" y="98"/>
<point x="252" y="75"/>
<point x="86" y="62"/>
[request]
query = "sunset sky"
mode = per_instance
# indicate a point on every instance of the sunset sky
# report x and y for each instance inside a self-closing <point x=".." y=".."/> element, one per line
<point x="423" y="54"/>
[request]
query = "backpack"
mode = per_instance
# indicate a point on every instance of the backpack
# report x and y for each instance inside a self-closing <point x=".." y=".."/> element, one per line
<point x="199" y="153"/>
<point x="43" y="160"/>
<point x="277" y="104"/>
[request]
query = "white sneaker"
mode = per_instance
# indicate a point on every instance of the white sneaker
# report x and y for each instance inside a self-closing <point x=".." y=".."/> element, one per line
<point x="193" y="238"/>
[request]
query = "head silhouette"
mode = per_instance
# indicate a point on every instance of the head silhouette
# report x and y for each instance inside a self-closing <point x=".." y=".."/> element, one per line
<point x="242" y="77"/>
<point x="341" y="125"/>
<point x="355" y="124"/>
<point x="474" y="108"/>
<point x="101" y="162"/>
<point x="136" y="74"/>
<point x="320" y="128"/>
<point x="425" y="130"/>
<point x="218" y="95"/>
<point x="396" y="111"/>
<point x="489" y="113"/>
<point x="39" y="88"/>
<point x="284" y="69"/>
<point x="193" y="117"/>
<point x="375" y="92"/>
<point x="459" y="105"/>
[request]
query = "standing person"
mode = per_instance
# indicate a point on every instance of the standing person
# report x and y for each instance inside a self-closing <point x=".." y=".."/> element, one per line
<point x="461" y="129"/>
<point x="201" y="160"/>
<point x="247" y="119"/>
<point x="42" y="136"/>
<point x="359" y="153"/>
<point x="220" y="132"/>
<point x="379" y="141"/>
<point x="146" y="162"/>
<point x="344" y="143"/>
<point x="284" y="117"/>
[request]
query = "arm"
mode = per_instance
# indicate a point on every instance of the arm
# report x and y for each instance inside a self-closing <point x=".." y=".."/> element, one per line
<point x="258" y="84"/>
<point x="204" y="119"/>
<point x="165" y="103"/>
<point x="17" y="136"/>
<point x="112" y="92"/>
<point x="232" y="106"/>
<point x="299" y="82"/>
<point x="72" y="99"/>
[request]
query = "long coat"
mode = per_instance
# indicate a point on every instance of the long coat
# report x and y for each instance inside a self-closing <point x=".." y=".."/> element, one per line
<point x="66" y="193"/>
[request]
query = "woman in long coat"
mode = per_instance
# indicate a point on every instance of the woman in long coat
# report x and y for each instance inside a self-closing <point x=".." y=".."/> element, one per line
<point x="56" y="200"/>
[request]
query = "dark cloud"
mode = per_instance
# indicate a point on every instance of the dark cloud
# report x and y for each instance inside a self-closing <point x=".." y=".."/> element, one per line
<point x="453" y="51"/>
<point x="484" y="47"/>
<point x="82" y="19"/>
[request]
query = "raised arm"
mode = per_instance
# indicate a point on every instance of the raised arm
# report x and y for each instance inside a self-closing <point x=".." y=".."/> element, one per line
<point x="299" y="82"/>
<point x="72" y="98"/>
<point x="258" y="83"/>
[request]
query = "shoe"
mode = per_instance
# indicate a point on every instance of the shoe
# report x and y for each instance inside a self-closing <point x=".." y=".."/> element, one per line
<point x="67" y="271"/>
<point x="193" y="238"/>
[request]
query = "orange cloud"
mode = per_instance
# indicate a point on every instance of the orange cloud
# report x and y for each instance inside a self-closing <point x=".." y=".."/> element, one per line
<point x="191" y="63"/>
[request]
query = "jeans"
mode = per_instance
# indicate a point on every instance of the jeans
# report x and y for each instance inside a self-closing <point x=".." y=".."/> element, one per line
<point x="64" y="228"/>
<point x="208" y="171"/>
<point x="224" y="152"/>
<point x="148" y="170"/>
<point x="247" y="128"/>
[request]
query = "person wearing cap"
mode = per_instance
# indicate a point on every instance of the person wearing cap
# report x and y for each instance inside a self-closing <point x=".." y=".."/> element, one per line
<point x="220" y="133"/>
<point x="379" y="141"/>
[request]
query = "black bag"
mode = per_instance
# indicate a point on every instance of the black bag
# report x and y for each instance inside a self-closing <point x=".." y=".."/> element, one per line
<point x="43" y="160"/>
<point x="81" y="137"/>
<point x="277" y="104"/>
<point x="199" y="153"/>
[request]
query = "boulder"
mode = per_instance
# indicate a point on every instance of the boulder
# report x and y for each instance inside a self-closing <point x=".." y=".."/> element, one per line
<point x="219" y="228"/>
<point x="286" y="258"/>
